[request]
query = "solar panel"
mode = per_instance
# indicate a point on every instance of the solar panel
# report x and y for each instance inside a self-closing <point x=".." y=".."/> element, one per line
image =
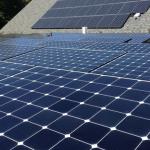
<point x="142" y="6"/>
<point x="8" y="69"/>
<point x="119" y="21"/>
<point x="8" y="51"/>
<point x="92" y="14"/>
<point x="128" y="7"/>
<point x="131" y="65"/>
<point x="78" y="3"/>
<point x="105" y="39"/>
<point x="131" y="48"/>
<point x="122" y="38"/>
<point x="103" y="43"/>
<point x="67" y="116"/>
<point x="25" y="41"/>
<point x="78" y="59"/>
<point x="139" y="40"/>
<point x="2" y="39"/>
<point x="43" y="106"/>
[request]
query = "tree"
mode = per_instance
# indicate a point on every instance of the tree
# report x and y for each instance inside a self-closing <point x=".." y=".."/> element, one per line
<point x="9" y="8"/>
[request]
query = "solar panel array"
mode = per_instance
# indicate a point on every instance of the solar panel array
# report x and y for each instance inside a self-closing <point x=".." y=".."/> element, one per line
<point x="121" y="38"/>
<point x="78" y="60"/>
<point x="25" y="41"/>
<point x="8" y="51"/>
<point x="99" y="45"/>
<point x="105" y="38"/>
<point x="104" y="104"/>
<point x="92" y="14"/>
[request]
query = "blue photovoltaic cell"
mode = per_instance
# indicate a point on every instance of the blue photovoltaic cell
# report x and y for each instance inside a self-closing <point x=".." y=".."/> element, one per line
<point x="45" y="107"/>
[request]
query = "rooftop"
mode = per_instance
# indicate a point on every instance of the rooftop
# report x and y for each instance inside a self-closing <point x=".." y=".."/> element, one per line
<point x="63" y="91"/>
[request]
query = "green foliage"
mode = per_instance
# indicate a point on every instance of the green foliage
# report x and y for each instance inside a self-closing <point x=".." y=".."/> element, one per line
<point x="9" y="8"/>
